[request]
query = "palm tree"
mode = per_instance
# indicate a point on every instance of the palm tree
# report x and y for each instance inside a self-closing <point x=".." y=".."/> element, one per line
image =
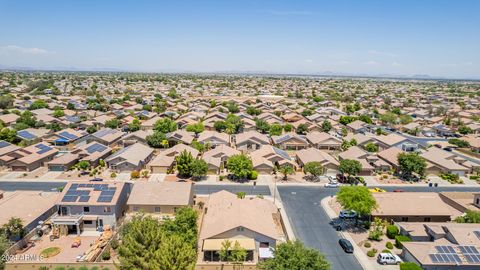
<point x="286" y="170"/>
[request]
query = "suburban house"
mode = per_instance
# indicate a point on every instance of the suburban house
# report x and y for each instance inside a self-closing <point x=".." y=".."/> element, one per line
<point x="93" y="152"/>
<point x="6" y="148"/>
<point x="89" y="206"/>
<point x="324" y="141"/>
<point x="159" y="198"/>
<point x="357" y="126"/>
<point x="63" y="162"/>
<point x="131" y="158"/>
<point x="213" y="138"/>
<point x="413" y="207"/>
<point x="267" y="157"/>
<point x="362" y="156"/>
<point x="254" y="223"/>
<point x="442" y="246"/>
<point x="329" y="163"/>
<point x="180" y="136"/>
<point x="106" y="136"/>
<point x="165" y="161"/>
<point x="250" y="141"/>
<point x="150" y="123"/>
<point x="32" y="135"/>
<point x="30" y="206"/>
<point x="29" y="158"/>
<point x="462" y="201"/>
<point x="65" y="137"/>
<point x="290" y="141"/>
<point x="441" y="161"/>
<point x="390" y="155"/>
<point x="396" y="140"/>
<point x="223" y="152"/>
<point x="139" y="136"/>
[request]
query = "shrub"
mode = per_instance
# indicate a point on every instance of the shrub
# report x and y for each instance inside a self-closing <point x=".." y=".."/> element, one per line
<point x="106" y="255"/>
<point x="409" y="266"/>
<point x="371" y="252"/>
<point x="392" y="231"/>
<point x="386" y="251"/>
<point x="135" y="174"/>
<point x="221" y="177"/>
<point x="253" y="175"/>
<point x="401" y="238"/>
<point x="367" y="244"/>
<point x="474" y="177"/>
<point x="389" y="245"/>
<point x="60" y="268"/>
<point x="113" y="175"/>
<point x="114" y="244"/>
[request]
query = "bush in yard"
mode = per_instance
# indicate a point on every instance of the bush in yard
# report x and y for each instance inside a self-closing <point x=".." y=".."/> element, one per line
<point x="253" y="175"/>
<point x="367" y="244"/>
<point x="113" y="175"/>
<point x="135" y="174"/>
<point x="392" y="231"/>
<point x="371" y="252"/>
<point x="386" y="251"/>
<point x="389" y="245"/>
<point x="409" y="266"/>
<point x="401" y="238"/>
<point x="106" y="255"/>
<point x="114" y="244"/>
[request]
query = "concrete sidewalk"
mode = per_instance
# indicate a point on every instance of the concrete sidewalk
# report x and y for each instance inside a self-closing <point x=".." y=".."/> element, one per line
<point x="362" y="258"/>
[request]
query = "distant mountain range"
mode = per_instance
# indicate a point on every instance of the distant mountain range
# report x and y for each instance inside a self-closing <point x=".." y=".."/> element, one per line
<point x="238" y="72"/>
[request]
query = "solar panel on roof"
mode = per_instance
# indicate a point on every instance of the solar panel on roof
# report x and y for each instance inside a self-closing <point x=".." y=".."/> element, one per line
<point x="96" y="148"/>
<point x="69" y="198"/>
<point x="445" y="249"/>
<point x="477" y="233"/>
<point x="472" y="258"/>
<point x="107" y="193"/>
<point x="43" y="148"/>
<point x="25" y="134"/>
<point x="4" y="144"/>
<point x="68" y="135"/>
<point x="105" y="199"/>
<point x="468" y="250"/>
<point x="84" y="198"/>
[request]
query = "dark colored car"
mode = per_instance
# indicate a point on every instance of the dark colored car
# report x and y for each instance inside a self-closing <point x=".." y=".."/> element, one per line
<point x="96" y="180"/>
<point x="346" y="245"/>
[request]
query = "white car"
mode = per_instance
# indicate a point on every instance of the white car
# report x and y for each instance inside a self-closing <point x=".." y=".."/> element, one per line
<point x="388" y="258"/>
<point x="333" y="184"/>
<point x="347" y="214"/>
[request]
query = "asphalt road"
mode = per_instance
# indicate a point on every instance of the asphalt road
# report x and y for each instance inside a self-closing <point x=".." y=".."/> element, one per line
<point x="311" y="224"/>
<point x="41" y="186"/>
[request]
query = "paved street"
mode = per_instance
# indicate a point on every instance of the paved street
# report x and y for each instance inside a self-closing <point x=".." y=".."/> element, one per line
<point x="42" y="186"/>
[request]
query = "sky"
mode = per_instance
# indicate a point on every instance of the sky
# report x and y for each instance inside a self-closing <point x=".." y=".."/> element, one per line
<point x="394" y="37"/>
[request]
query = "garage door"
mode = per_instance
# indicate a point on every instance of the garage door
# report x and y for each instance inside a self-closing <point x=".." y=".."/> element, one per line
<point x="19" y="168"/>
<point x="56" y="168"/>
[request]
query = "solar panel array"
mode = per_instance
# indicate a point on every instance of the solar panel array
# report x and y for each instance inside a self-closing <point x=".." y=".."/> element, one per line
<point x="68" y="135"/>
<point x="468" y="250"/>
<point x="43" y="148"/>
<point x="25" y="134"/>
<point x="74" y="194"/>
<point x="472" y="258"/>
<point x="103" y="132"/>
<point x="4" y="144"/>
<point x="445" y="249"/>
<point x="477" y="233"/>
<point x="97" y="147"/>
<point x="445" y="258"/>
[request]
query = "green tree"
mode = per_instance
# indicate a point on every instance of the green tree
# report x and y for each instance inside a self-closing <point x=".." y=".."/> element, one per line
<point x="38" y="104"/>
<point x="134" y="126"/>
<point x="9" y="135"/>
<point x="155" y="140"/>
<point x="234" y="122"/>
<point x="411" y="163"/>
<point x="240" y="166"/>
<point x="238" y="253"/>
<point x="388" y="118"/>
<point x="262" y="126"/>
<point x="356" y="198"/>
<point x="58" y="113"/>
<point x="225" y="250"/>
<point x="165" y="125"/>
<point x="302" y="129"/>
<point x="14" y="229"/>
<point x="4" y="245"/>
<point x="199" y="168"/>
<point x="112" y="123"/>
<point x="326" y="126"/>
<point x="350" y="167"/>
<point x="293" y="255"/>
<point x="286" y="170"/>
<point x="185" y="163"/>
<point x="6" y="101"/>
<point x="91" y="129"/>
<point x="458" y="142"/>
<point x="220" y="126"/>
<point x="275" y="130"/>
<point x="314" y="168"/>
<point x="288" y="127"/>
<point x="253" y="111"/>
<point x="197" y="128"/>
<point x="83" y="165"/>
<point x="371" y="147"/>
<point x="464" y="130"/>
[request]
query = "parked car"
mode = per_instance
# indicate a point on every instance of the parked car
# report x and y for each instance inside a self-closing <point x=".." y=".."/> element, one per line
<point x="388" y="258"/>
<point x="346" y="245"/>
<point x="347" y="214"/>
<point x="398" y="190"/>
<point x="96" y="180"/>
<point x="377" y="190"/>
<point x="332" y="184"/>
<point x="448" y="149"/>
<point x="337" y="224"/>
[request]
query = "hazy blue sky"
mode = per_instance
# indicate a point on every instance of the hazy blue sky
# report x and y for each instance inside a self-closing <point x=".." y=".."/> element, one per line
<point x="401" y="37"/>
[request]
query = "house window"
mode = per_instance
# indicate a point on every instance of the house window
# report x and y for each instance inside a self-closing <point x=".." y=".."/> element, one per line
<point x="87" y="222"/>
<point x="157" y="209"/>
<point x="107" y="209"/>
<point x="404" y="219"/>
<point x="427" y="219"/>
<point x="86" y="209"/>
